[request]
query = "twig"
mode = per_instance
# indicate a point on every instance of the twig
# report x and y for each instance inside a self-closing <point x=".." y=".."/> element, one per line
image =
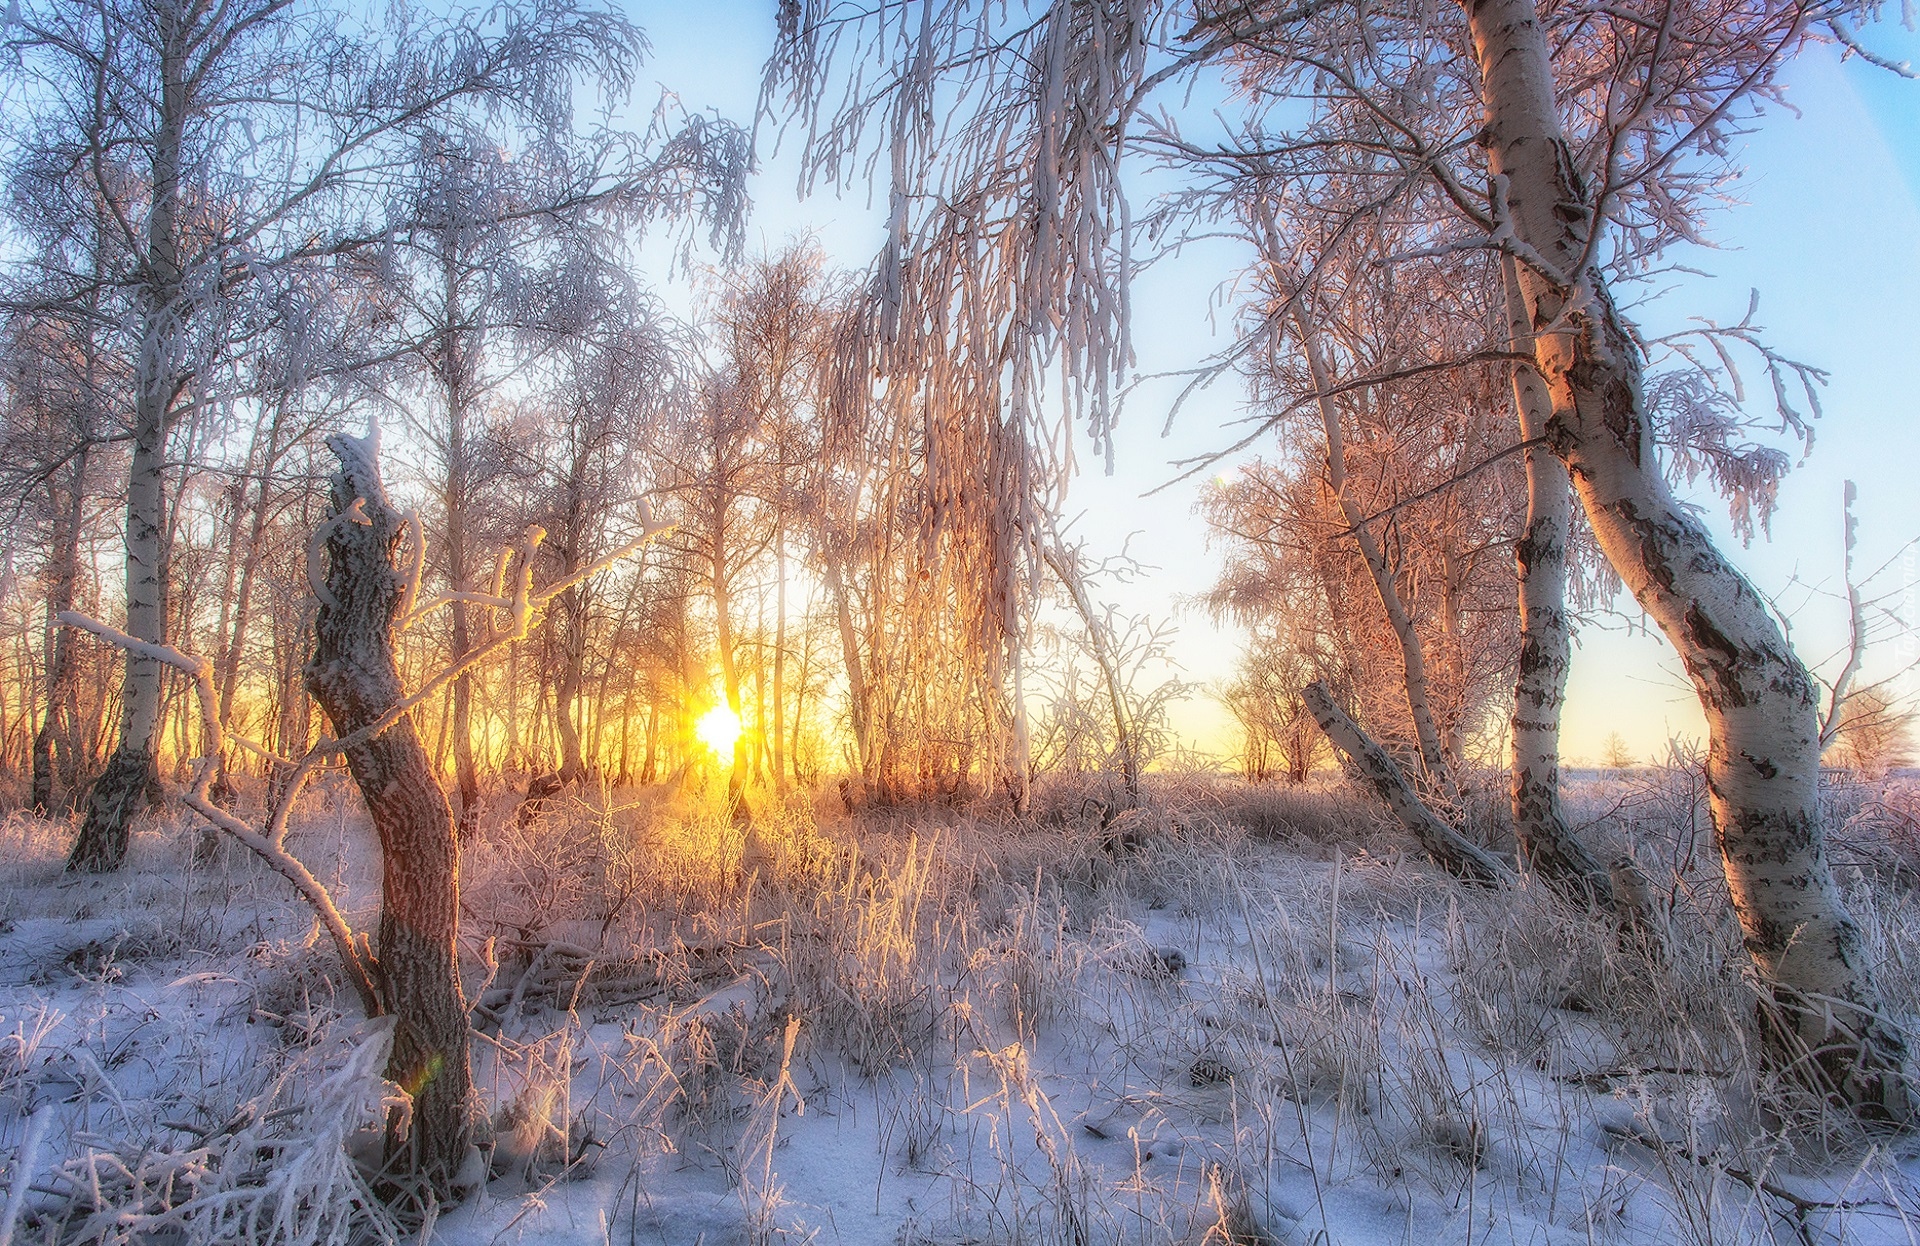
<point x="24" y="1165"/>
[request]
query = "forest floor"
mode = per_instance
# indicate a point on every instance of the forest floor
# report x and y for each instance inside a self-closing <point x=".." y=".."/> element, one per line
<point x="1237" y="1015"/>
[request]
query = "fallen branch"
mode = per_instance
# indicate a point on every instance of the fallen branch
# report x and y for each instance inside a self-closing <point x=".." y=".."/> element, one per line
<point x="1798" y="1207"/>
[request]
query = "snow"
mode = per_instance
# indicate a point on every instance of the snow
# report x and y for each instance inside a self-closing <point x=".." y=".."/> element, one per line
<point x="966" y="1031"/>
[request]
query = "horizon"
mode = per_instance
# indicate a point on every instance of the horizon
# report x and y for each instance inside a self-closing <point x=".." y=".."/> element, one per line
<point x="1834" y="260"/>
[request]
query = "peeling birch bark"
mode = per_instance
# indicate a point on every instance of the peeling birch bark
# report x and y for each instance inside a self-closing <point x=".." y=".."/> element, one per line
<point x="1827" y="1019"/>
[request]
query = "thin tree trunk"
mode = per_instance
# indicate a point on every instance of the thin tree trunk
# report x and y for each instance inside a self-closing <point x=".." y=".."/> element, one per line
<point x="859" y="707"/>
<point x="1761" y="705"/>
<point x="780" y="660"/>
<point x="1019" y="747"/>
<point x="1453" y="659"/>
<point x="455" y="366"/>
<point x="574" y="604"/>
<point x="761" y="753"/>
<point x="221" y="793"/>
<point x="1546" y="642"/>
<point x="573" y="656"/>
<point x="517" y="753"/>
<point x="729" y="671"/>
<point x="1433" y="760"/>
<point x="56" y="731"/>
<point x="650" y="764"/>
<point x="1065" y="564"/>
<point x="355" y="679"/>
<point x="236" y="639"/>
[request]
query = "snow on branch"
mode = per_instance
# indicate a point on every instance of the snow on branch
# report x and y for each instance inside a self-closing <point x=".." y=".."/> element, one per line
<point x="269" y="846"/>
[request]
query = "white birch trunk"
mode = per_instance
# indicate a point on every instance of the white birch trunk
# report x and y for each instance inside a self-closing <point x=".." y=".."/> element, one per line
<point x="1546" y="643"/>
<point x="106" y="833"/>
<point x="1761" y="706"/>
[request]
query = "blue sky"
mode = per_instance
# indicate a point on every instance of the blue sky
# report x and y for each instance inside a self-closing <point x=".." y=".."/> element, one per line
<point x="1829" y="232"/>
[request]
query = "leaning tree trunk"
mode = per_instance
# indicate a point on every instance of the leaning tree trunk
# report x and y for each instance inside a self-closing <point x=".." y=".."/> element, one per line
<point x="1763" y="761"/>
<point x="1433" y="758"/>
<point x="1378" y="770"/>
<point x="1546" y="643"/>
<point x="354" y="678"/>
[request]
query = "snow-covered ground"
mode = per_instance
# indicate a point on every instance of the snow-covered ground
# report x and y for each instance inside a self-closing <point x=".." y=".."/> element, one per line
<point x="1236" y="1016"/>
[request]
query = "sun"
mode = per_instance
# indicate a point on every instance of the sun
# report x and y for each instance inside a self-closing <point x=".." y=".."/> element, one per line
<point x="718" y="729"/>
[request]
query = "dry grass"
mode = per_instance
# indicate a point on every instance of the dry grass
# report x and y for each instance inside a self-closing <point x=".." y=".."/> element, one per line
<point x="1236" y="1015"/>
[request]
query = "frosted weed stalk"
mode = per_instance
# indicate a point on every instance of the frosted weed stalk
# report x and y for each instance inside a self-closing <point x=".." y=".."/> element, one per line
<point x="278" y="1173"/>
<point x="859" y="958"/>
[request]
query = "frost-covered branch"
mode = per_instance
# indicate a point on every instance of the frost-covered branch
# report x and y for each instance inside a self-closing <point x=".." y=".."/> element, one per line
<point x="271" y="845"/>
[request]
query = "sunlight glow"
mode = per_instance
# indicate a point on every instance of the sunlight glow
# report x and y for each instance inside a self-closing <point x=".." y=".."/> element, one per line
<point x="718" y="729"/>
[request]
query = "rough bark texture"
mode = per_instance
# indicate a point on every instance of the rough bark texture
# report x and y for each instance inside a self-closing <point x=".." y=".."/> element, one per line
<point x="1389" y="782"/>
<point x="355" y="680"/>
<point x="1546" y="646"/>
<point x="1760" y="703"/>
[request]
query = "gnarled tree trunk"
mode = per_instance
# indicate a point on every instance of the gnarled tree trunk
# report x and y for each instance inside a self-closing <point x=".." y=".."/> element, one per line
<point x="1763" y="761"/>
<point x="354" y="678"/>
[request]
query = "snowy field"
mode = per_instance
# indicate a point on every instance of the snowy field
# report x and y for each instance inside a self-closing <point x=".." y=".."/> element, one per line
<point x="1238" y="1015"/>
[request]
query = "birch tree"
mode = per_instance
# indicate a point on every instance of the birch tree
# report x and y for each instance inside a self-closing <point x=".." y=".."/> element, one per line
<point x="620" y="380"/>
<point x="1580" y="143"/>
<point x="57" y="447"/>
<point x="1761" y="704"/>
<point x="494" y="237"/>
<point x="223" y="145"/>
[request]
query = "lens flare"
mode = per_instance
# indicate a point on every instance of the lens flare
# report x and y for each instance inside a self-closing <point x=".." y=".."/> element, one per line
<point x="718" y="729"/>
